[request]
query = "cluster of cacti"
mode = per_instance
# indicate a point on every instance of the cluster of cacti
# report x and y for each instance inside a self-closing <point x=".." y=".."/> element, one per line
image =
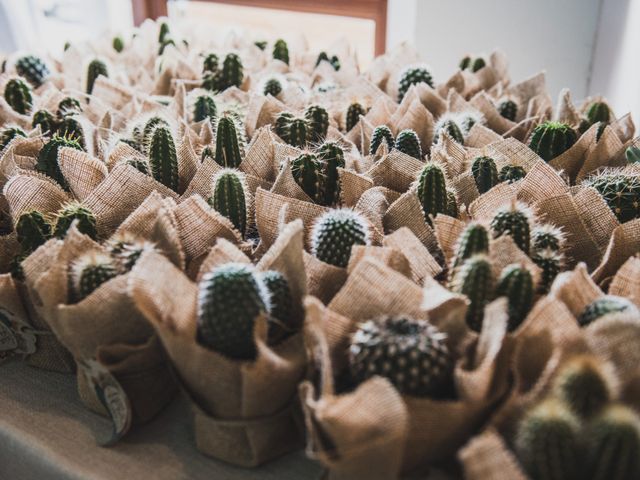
<point x="413" y="75"/>
<point x="95" y="69"/>
<point x="334" y="61"/>
<point x="48" y="157"/>
<point x="408" y="143"/>
<point x="18" y="95"/>
<point x="229" y="197"/>
<point x="230" y="75"/>
<point x="447" y="124"/>
<point x="33" y="69"/>
<point x="472" y="64"/>
<point x="380" y="134"/>
<point x="432" y="190"/>
<point x="336" y="232"/>
<point x="508" y="108"/>
<point x="551" y="139"/>
<point x="485" y="173"/>
<point x="352" y="115"/>
<point x="621" y="191"/>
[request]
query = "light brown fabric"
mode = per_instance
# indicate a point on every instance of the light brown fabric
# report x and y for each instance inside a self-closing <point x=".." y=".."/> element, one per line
<point x="82" y="171"/>
<point x="323" y="280"/>
<point x="396" y="171"/>
<point x="407" y="212"/>
<point x="421" y="262"/>
<point x="624" y="242"/>
<point x="626" y="282"/>
<point x="31" y="191"/>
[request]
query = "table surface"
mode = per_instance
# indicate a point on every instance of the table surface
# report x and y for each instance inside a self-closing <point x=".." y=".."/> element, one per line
<point x="46" y="433"/>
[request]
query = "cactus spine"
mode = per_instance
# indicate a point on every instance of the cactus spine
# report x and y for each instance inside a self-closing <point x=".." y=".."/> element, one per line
<point x="516" y="284"/>
<point x="89" y="272"/>
<point x="508" y="109"/>
<point x="94" y="70"/>
<point x="306" y="171"/>
<point x="408" y="143"/>
<point x="547" y="236"/>
<point x="317" y="118"/>
<point x="163" y="159"/>
<point x="514" y="221"/>
<point x="229" y="197"/>
<point x="432" y="190"/>
<point x="473" y="240"/>
<point x="511" y="173"/>
<point x="9" y="133"/>
<point x="352" y="116"/>
<point x="205" y="107"/>
<point x="75" y="211"/>
<point x="298" y="132"/>
<point x="335" y="233"/>
<point x="621" y="192"/>
<point x="272" y="87"/>
<point x="551" y="264"/>
<point x="413" y="75"/>
<point x="48" y="157"/>
<point x="551" y="139"/>
<point x="603" y="306"/>
<point x="18" y="95"/>
<point x="281" y="51"/>
<point x="380" y="134"/>
<point x="69" y="127"/>
<point x="32" y="230"/>
<point x="33" y="69"/>
<point x="45" y="120"/>
<point x="475" y="280"/>
<point x="229" y="142"/>
<point x="598" y="112"/>
<point x="331" y="157"/>
<point x="485" y="173"/>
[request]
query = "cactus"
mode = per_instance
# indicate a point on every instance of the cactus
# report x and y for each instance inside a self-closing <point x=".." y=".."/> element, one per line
<point x="583" y="385"/>
<point x="207" y="152"/>
<point x="281" y="126"/>
<point x="9" y="133"/>
<point x="272" y="87"/>
<point x="66" y="46"/>
<point x="229" y="197"/>
<point x="298" y="132"/>
<point x="413" y="75"/>
<point x="485" y="173"/>
<point x="230" y="299"/>
<point x="164" y="32"/>
<point x="69" y="127"/>
<point x="432" y="190"/>
<point x="467" y="119"/>
<point x="452" y="204"/>
<point x="48" y="157"/>
<point x="317" y="118"/>
<point x="511" y="173"/>
<point x="515" y="221"/>
<point x="90" y="271"/>
<point x="465" y="62"/>
<point x="281" y="51"/>
<point x="632" y="154"/>
<point x="551" y="263"/>
<point x="33" y="69"/>
<point x="229" y="142"/>
<point x="613" y="443"/>
<point x="408" y="143"/>
<point x="620" y="191"/>
<point x="307" y="171"/>
<point x="210" y="63"/>
<point x="18" y="95"/>
<point x="15" y="267"/>
<point x="45" y="120"/>
<point x="478" y="64"/>
<point x="412" y="354"/>
<point x="600" y="130"/>
<point x="547" y="236"/>
<point x="551" y="139"/>
<point x="473" y="240"/>
<point x="331" y="157"/>
<point x="75" y="211"/>
<point x="381" y="133"/>
<point x="32" y="230"/>
<point x="232" y="72"/>
<point x="448" y="125"/>
<point x="508" y="109"/>
<point x="211" y="81"/>
<point x="335" y="232"/>
<point x="261" y="44"/>
<point x="204" y="108"/>
<point x="322" y="56"/>
<point x="474" y="278"/>
<point x="144" y="136"/>
<point x="547" y="442"/>
<point x="118" y="43"/>
<point x="129" y="253"/>
<point x="68" y="106"/>
<point x="163" y="159"/>
<point x="516" y="284"/>
<point x="94" y="70"/>
<point x="603" y="306"/>
<point x="334" y="61"/>
<point x="598" y="112"/>
<point x="140" y="164"/>
<point x="280" y="305"/>
<point x="165" y="44"/>
<point x="352" y="116"/>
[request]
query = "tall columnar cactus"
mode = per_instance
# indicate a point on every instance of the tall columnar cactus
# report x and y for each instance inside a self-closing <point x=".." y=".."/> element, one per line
<point x="603" y="306"/>
<point x="508" y="109"/>
<point x="335" y="233"/>
<point x="408" y="143"/>
<point x="232" y="72"/>
<point x="613" y="443"/>
<point x="452" y="203"/>
<point x="515" y="221"/>
<point x="473" y="240"/>
<point x="204" y="108"/>
<point x="632" y="154"/>
<point x="33" y="69"/>
<point x="412" y="354"/>
<point x="281" y="51"/>
<point x="485" y="173"/>
<point x="380" y="134"/>
<point x="598" y="112"/>
<point x="307" y="172"/>
<point x="621" y="192"/>
<point x="68" y="214"/>
<point x="163" y="158"/>
<point x="413" y="75"/>
<point x="90" y="271"/>
<point x="18" y="95"/>
<point x="230" y="300"/>
<point x="547" y="236"/>
<point x="70" y="127"/>
<point x="33" y="230"/>
<point x="96" y="68"/>
<point x="551" y="263"/>
<point x="229" y="197"/>
<point x="163" y="33"/>
<point x="45" y="120"/>
<point x="474" y="278"/>
<point x="280" y="305"/>
<point x="272" y="87"/>
<point x="229" y="142"/>
<point x="551" y="139"/>
<point x="352" y="115"/>
<point x="331" y="156"/>
<point x="298" y="132"/>
<point x="143" y="135"/>
<point x="432" y="190"/>
<point x="547" y="442"/>
<point x="9" y="133"/>
<point x="48" y="157"/>
<point x="281" y="126"/>
<point x="318" y="120"/>
<point x="210" y="63"/>
<point x="516" y="283"/>
<point x="451" y="127"/>
<point x="511" y="173"/>
<point x="140" y="164"/>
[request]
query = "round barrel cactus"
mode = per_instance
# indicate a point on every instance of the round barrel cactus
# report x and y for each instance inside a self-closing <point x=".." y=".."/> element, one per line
<point x="163" y="158"/>
<point x="334" y="234"/>
<point x="432" y="190"/>
<point x="18" y="95"/>
<point x="598" y="112"/>
<point x="90" y="271"/>
<point x="412" y="75"/>
<point x="408" y="143"/>
<point x="511" y="173"/>
<point x="33" y="69"/>
<point x="48" y="157"/>
<point x="380" y="134"/>
<point x="485" y="173"/>
<point x="508" y="109"/>
<point x="551" y="139"/>
<point x="516" y="284"/>
<point x="70" y="212"/>
<point x="229" y="197"/>
<point x="620" y="191"/>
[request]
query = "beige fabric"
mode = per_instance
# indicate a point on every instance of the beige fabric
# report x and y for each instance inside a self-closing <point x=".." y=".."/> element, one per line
<point x="626" y="283"/>
<point x="421" y="262"/>
<point x="624" y="242"/>
<point x="407" y="212"/>
<point x="396" y="171"/>
<point x="31" y="191"/>
<point x="82" y="172"/>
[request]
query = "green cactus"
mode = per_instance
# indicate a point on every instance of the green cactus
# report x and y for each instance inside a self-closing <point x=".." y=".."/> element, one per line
<point x="66" y="46"/>
<point x="89" y="272"/>
<point x="352" y="115"/>
<point x="75" y="211"/>
<point x="467" y="119"/>
<point x="48" y="157"/>
<point x="281" y="51"/>
<point x="230" y="299"/>
<point x="478" y="64"/>
<point x="413" y="75"/>
<point x="412" y="354"/>
<point x="118" y="43"/>
<point x="165" y="44"/>
<point x="207" y="152"/>
<point x="298" y="132"/>
<point x="229" y="142"/>
<point x="32" y="230"/>
<point x="485" y="173"/>
<point x="334" y="234"/>
<point x="381" y="133"/>
<point x="18" y="95"/>
<point x="33" y="69"/>
<point x="280" y="305"/>
<point x="9" y="133"/>
<point x="163" y="158"/>
<point x="511" y="173"/>
<point x="547" y="236"/>
<point x="140" y="164"/>
<point x="229" y="197"/>
<point x="632" y="154"/>
<point x="473" y="240"/>
<point x="516" y="283"/>
<point x="432" y="190"/>
<point x="45" y="120"/>
<point x="452" y="204"/>
<point x="281" y="126"/>
<point x="69" y="127"/>
<point x="515" y="221"/>
<point x="68" y="106"/>
<point x="143" y="136"/>
<point x="508" y="109"/>
<point x="465" y="62"/>
<point x="474" y="278"/>
<point x="204" y="108"/>
<point x="272" y="87"/>
<point x="211" y="81"/>
<point x="322" y="56"/>
<point x="450" y="126"/>
<point x="603" y="306"/>
<point x="598" y="112"/>
<point x="307" y="172"/>
<point x="317" y="118"/>
<point x="621" y="192"/>
<point x="232" y="72"/>
<point x="261" y="44"/>
<point x="15" y="267"/>
<point x="551" y="263"/>
<point x="408" y="143"/>
<point x="613" y="443"/>
<point x="163" y="32"/>
<point x="126" y="249"/>
<point x="331" y="156"/>
<point x="94" y="70"/>
<point x="547" y="442"/>
<point x="210" y="63"/>
<point x="551" y="139"/>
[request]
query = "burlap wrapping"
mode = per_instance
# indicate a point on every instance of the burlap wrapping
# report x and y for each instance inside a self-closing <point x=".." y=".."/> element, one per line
<point x="480" y="136"/>
<point x="422" y="265"/>
<point x="82" y="171"/>
<point x="245" y="412"/>
<point x="407" y="212"/>
<point x="396" y="171"/>
<point x="32" y="191"/>
<point x="624" y="242"/>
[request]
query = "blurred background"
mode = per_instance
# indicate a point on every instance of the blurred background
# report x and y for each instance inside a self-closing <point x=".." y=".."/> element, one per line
<point x="590" y="46"/>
